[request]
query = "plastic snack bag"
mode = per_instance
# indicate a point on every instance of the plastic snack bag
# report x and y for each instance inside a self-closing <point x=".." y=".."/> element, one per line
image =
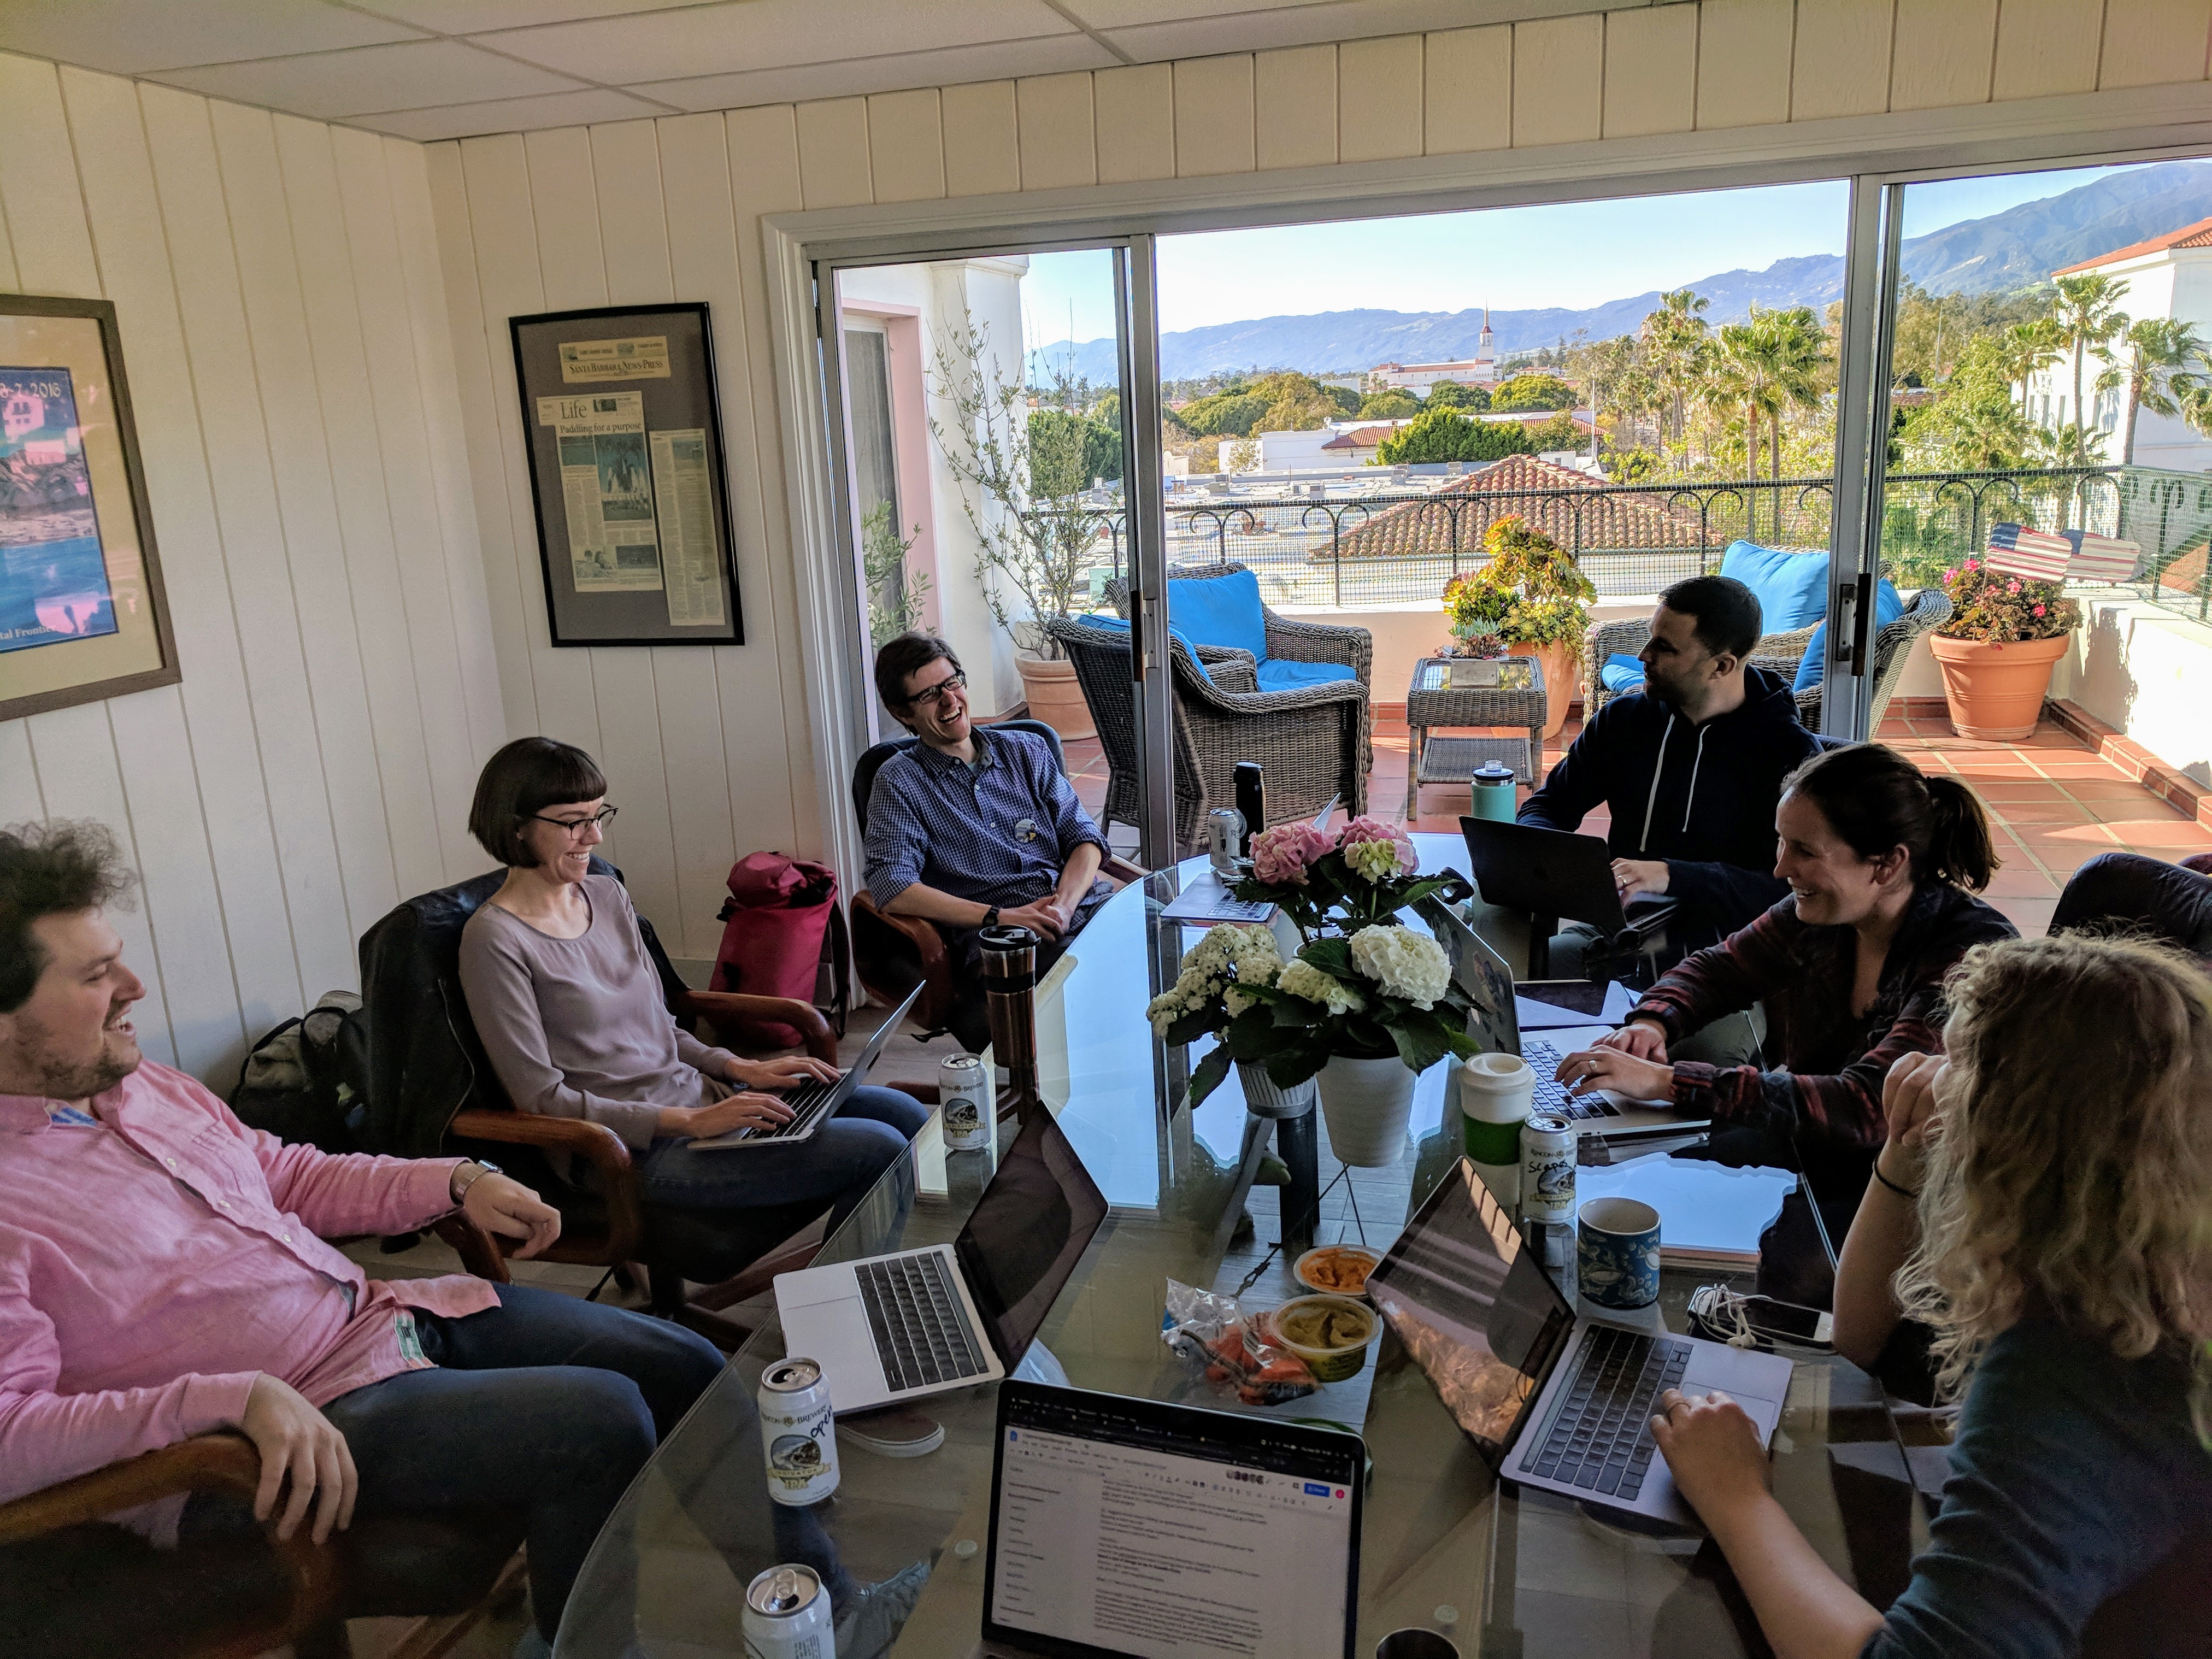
<point x="1214" y="1333"/>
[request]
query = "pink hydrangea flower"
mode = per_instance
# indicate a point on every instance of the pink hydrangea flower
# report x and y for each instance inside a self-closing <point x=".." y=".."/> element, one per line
<point x="1281" y="856"/>
<point x="1365" y="841"/>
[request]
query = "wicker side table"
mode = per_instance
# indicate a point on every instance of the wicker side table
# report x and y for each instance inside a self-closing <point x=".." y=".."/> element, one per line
<point x="1432" y="700"/>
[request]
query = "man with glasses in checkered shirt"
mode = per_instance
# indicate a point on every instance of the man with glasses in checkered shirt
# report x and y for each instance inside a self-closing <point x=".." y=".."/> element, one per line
<point x="974" y="825"/>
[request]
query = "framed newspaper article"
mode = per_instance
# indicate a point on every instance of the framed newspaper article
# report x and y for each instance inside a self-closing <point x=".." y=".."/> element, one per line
<point x="625" y="442"/>
<point x="82" y="616"/>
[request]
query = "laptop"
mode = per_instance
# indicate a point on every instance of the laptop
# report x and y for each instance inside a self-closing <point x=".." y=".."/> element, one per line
<point x="1552" y="873"/>
<point x="814" y="1102"/>
<point x="1494" y="1020"/>
<point x="1555" y="1400"/>
<point x="915" y="1322"/>
<point x="1133" y="1527"/>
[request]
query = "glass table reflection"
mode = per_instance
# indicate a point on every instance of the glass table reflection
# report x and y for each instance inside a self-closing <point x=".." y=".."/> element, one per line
<point x="1444" y="1545"/>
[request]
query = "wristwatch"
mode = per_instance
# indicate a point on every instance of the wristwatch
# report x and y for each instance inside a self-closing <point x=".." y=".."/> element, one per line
<point x="991" y="917"/>
<point x="483" y="1169"/>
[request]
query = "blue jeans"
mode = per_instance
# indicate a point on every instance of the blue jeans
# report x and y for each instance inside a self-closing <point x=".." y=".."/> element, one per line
<point x="547" y="1403"/>
<point x="844" y="1158"/>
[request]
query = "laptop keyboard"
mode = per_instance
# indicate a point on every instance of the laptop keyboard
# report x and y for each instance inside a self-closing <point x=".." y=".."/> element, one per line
<point x="1552" y="1094"/>
<point x="806" y="1101"/>
<point x="917" y="1322"/>
<point x="1599" y="1435"/>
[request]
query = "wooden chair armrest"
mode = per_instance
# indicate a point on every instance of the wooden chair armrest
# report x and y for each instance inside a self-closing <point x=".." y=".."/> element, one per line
<point x="1119" y="870"/>
<point x="479" y="1250"/>
<point x="207" y="1462"/>
<point x="725" y="1011"/>
<point x="598" y="1146"/>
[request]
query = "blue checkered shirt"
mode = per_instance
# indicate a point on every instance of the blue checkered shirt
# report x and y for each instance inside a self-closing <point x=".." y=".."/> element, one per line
<point x="997" y="834"/>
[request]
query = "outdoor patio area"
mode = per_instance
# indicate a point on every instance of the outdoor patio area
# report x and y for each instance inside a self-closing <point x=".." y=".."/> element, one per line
<point x="2054" y="801"/>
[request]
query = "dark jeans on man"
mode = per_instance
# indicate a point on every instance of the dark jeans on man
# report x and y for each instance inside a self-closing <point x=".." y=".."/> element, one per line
<point x="970" y="1022"/>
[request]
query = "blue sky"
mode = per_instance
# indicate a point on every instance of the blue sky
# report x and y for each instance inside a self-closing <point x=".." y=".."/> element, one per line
<point x="1572" y="254"/>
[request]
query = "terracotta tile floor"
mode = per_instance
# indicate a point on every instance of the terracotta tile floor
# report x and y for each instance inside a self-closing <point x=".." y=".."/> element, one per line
<point x="2052" y="804"/>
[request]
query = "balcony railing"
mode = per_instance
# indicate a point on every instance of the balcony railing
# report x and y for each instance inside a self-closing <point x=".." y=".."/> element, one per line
<point x="1401" y="547"/>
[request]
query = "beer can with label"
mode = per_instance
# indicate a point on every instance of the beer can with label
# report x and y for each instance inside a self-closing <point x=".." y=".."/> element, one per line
<point x="787" y="1615"/>
<point x="965" y="1102"/>
<point x="799" y="1438"/>
<point x="1547" y="1169"/>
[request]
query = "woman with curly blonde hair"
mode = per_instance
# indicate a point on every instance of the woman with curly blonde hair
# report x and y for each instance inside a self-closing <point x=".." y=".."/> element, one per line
<point x="2048" y="1189"/>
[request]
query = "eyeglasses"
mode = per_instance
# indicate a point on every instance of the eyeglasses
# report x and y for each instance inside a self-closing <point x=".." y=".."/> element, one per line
<point x="935" y="695"/>
<point x="575" y="827"/>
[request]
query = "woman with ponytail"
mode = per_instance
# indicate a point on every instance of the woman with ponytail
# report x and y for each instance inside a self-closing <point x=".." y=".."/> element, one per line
<point x="1883" y="864"/>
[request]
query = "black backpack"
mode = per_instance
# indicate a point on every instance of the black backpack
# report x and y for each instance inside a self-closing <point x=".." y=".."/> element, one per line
<point x="308" y="1079"/>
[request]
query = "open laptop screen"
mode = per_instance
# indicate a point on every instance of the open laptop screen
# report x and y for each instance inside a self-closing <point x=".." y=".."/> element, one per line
<point x="1134" y="1527"/>
<point x="1474" y="1307"/>
<point x="1026" y="1233"/>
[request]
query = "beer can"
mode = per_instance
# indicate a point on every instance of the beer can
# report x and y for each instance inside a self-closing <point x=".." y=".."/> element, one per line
<point x="1547" y="1169"/>
<point x="965" y="1101"/>
<point x="799" y="1438"/>
<point x="787" y="1615"/>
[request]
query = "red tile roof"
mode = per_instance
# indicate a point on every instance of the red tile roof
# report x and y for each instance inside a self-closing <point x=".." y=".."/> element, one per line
<point x="2196" y="236"/>
<point x="1360" y="437"/>
<point x="1412" y="529"/>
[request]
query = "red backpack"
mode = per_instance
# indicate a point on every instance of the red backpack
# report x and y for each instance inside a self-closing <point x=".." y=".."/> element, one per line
<point x="783" y="929"/>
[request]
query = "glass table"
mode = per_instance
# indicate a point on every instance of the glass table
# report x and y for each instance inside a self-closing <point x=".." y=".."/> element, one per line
<point x="1444" y="1545"/>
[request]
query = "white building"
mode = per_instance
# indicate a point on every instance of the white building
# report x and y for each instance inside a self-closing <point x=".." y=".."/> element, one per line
<point x="1482" y="367"/>
<point x="2168" y="276"/>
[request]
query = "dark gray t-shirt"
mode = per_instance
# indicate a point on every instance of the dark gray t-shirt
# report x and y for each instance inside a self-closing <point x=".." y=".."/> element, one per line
<point x="577" y="1027"/>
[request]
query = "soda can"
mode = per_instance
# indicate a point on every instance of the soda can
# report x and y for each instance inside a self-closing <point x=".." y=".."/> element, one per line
<point x="787" y="1615"/>
<point x="799" y="1438"/>
<point x="965" y="1103"/>
<point x="1547" y="1169"/>
<point x="1224" y="839"/>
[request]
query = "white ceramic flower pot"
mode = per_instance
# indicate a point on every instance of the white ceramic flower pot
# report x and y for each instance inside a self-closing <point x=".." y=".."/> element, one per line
<point x="1366" y="1104"/>
<point x="1263" y="1099"/>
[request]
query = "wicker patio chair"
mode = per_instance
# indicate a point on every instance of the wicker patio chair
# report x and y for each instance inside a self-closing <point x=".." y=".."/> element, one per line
<point x="1311" y="742"/>
<point x="1778" y="653"/>
<point x="1928" y="609"/>
<point x="1292" y="641"/>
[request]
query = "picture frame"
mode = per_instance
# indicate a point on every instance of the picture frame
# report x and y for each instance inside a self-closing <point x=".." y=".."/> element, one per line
<point x="83" y="615"/>
<point x="627" y="478"/>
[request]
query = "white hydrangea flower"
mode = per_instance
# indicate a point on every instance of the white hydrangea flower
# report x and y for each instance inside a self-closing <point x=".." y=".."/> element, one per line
<point x="1403" y="963"/>
<point x="1302" y="978"/>
<point x="1228" y="956"/>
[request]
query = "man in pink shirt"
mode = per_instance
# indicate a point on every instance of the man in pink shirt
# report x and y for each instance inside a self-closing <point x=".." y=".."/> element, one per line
<point x="162" y="1275"/>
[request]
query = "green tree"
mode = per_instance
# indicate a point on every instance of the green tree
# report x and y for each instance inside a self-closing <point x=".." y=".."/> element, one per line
<point x="2156" y="354"/>
<point x="1972" y="423"/>
<point x="1065" y="448"/>
<point x="1296" y="402"/>
<point x="1446" y="435"/>
<point x="1229" y="415"/>
<point x="1532" y="392"/>
<point x="1677" y="342"/>
<point x="2088" y="315"/>
<point x="2028" y="348"/>
<point x="1451" y="394"/>
<point x="1560" y="431"/>
<point x="1391" y="406"/>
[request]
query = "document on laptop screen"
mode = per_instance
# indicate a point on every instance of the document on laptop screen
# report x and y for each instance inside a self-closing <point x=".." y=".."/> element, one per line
<point x="1160" y="1550"/>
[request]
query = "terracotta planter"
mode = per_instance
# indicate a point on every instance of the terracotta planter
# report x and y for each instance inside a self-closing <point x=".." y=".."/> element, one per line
<point x="1054" y="697"/>
<point x="1996" y="690"/>
<point x="1562" y="679"/>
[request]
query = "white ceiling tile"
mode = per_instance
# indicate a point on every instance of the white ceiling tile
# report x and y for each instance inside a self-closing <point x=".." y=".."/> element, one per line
<point x="1305" y="23"/>
<point x="853" y="76"/>
<point x="565" y="109"/>
<point x="129" y="36"/>
<point x="757" y="34"/>
<point x="1133" y="14"/>
<point x="412" y="75"/>
<point x="473" y="17"/>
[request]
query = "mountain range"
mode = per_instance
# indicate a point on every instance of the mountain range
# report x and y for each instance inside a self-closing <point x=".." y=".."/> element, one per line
<point x="2002" y="250"/>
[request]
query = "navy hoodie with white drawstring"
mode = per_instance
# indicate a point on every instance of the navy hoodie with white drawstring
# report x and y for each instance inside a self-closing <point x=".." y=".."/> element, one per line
<point x="1700" y="797"/>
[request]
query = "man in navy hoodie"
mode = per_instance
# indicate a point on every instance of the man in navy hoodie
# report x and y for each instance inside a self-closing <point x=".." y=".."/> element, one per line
<point x="1690" y="768"/>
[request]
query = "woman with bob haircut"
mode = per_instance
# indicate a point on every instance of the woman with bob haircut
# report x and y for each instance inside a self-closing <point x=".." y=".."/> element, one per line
<point x="2047" y="1186"/>
<point x="570" y="1006"/>
<point x="1883" y="864"/>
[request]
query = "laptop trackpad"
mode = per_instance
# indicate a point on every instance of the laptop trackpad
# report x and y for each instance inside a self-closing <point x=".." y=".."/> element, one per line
<point x="814" y="1290"/>
<point x="1743" y="1383"/>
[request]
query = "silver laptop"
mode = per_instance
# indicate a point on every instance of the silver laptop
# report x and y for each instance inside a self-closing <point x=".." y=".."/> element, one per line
<point x="815" y="1101"/>
<point x="915" y="1322"/>
<point x="1495" y="1020"/>
<point x="1555" y="1400"/>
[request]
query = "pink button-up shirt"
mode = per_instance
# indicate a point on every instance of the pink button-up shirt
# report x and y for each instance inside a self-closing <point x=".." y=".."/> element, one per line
<point x="155" y="1262"/>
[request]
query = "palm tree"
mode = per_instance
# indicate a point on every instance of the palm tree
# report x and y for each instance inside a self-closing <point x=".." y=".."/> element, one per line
<point x="2028" y="348"/>
<point x="1675" y="343"/>
<point x="1797" y="350"/>
<point x="2156" y="353"/>
<point x="2088" y="315"/>
<point x="1748" y="374"/>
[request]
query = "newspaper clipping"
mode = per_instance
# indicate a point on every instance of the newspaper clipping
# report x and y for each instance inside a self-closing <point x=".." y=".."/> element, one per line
<point x="685" y="504"/>
<point x="588" y="362"/>
<point x="605" y="491"/>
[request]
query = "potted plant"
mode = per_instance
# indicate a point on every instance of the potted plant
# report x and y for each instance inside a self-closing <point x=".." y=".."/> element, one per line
<point x="1478" y="616"/>
<point x="1996" y="652"/>
<point x="1533" y="594"/>
<point x="1022" y="471"/>
<point x="1363" y="1006"/>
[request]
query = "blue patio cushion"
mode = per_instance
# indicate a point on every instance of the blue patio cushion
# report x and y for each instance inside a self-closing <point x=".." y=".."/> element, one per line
<point x="1280" y="674"/>
<point x="1117" y="625"/>
<point x="1792" y="587"/>
<point x="1621" y="674"/>
<point x="1220" y="610"/>
<point x="1888" y="606"/>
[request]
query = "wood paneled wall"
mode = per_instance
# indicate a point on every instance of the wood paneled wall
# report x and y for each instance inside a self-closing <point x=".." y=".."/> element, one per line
<point x="276" y="288"/>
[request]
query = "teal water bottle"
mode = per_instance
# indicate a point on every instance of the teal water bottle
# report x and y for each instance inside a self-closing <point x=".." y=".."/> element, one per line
<point x="1494" y="792"/>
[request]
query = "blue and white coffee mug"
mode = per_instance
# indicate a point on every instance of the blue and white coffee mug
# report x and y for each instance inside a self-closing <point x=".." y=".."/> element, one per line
<point x="1617" y="1253"/>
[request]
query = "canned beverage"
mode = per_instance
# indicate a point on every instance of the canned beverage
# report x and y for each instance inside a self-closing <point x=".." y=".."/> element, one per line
<point x="965" y="1100"/>
<point x="797" y="1435"/>
<point x="1547" y="1169"/>
<point x="1224" y="839"/>
<point x="787" y="1615"/>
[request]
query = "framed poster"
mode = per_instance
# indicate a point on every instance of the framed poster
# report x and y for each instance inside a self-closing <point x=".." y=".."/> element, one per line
<point x="82" y="616"/>
<point x="625" y="442"/>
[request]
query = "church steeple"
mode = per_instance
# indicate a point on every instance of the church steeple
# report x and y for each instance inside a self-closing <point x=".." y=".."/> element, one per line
<point x="1485" y="351"/>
